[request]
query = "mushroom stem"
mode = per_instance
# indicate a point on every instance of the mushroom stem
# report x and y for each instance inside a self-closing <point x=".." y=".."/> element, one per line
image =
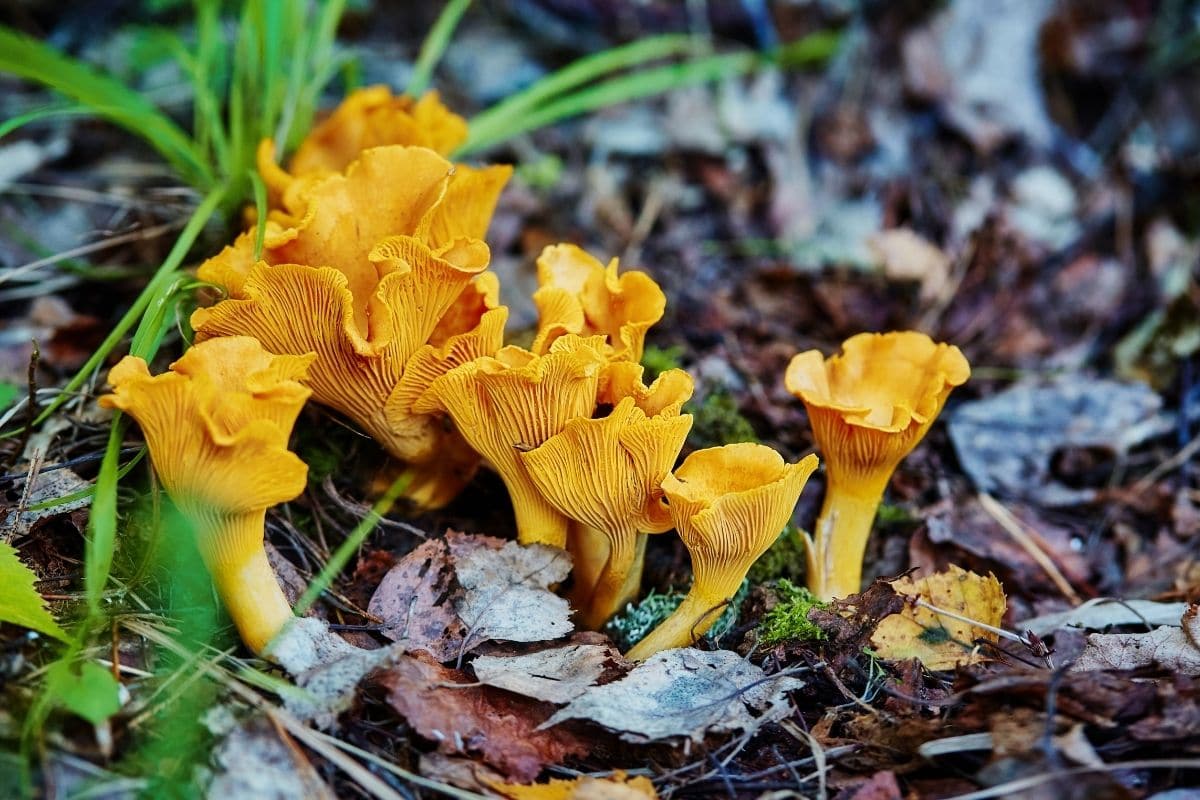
<point x="232" y="549"/>
<point x="835" y="556"/>
<point x="698" y="612"/>
<point x="589" y="553"/>
<point x="538" y="522"/>
<point x="619" y="579"/>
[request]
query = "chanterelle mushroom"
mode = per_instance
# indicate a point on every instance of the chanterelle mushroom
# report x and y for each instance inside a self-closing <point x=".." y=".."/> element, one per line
<point x="217" y="428"/>
<point x="869" y="407"/>
<point x="729" y="505"/>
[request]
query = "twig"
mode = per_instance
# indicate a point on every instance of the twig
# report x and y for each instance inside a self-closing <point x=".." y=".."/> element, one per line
<point x="1016" y="529"/>
<point x="1011" y="788"/>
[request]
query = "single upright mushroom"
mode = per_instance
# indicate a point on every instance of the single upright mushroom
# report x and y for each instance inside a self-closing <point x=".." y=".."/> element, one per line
<point x="217" y="428"/>
<point x="868" y="407"/>
<point x="515" y="402"/>
<point x="606" y="474"/>
<point x="729" y="505"/>
<point x="577" y="294"/>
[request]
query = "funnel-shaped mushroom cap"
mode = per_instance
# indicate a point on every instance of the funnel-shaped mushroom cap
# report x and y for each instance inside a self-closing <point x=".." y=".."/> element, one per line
<point x="730" y="504"/>
<point x="514" y="402"/>
<point x="670" y="390"/>
<point x="217" y="427"/>
<point x="339" y="221"/>
<point x="217" y="424"/>
<point x="299" y="309"/>
<point x="607" y="472"/>
<point x="374" y="117"/>
<point x="580" y="295"/>
<point x="871" y="405"/>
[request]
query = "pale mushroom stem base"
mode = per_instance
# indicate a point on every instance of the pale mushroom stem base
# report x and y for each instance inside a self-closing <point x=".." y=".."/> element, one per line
<point x="698" y="612"/>
<point x="618" y="581"/>
<point x="835" y="554"/>
<point x="244" y="579"/>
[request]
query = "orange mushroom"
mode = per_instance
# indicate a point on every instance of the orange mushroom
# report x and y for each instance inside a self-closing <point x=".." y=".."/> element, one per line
<point x="514" y="402"/>
<point x="868" y="407"/>
<point x="606" y="474"/>
<point x="729" y="505"/>
<point x="577" y="294"/>
<point x="366" y="279"/>
<point x="217" y="428"/>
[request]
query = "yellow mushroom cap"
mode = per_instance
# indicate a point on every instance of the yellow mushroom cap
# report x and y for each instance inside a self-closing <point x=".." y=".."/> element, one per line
<point x="607" y="472"/>
<point x="872" y="404"/>
<point x="217" y="427"/>
<point x="577" y="294"/>
<point x="516" y="401"/>
<point x="355" y="372"/>
<point x="374" y="117"/>
<point x="217" y="424"/>
<point x="666" y="395"/>
<point x="729" y="505"/>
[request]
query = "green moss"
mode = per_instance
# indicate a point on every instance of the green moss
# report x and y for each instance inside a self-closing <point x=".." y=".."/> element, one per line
<point x="788" y="620"/>
<point x="718" y="421"/>
<point x="785" y="559"/>
<point x="889" y="514"/>
<point x="636" y="621"/>
<point x="658" y="360"/>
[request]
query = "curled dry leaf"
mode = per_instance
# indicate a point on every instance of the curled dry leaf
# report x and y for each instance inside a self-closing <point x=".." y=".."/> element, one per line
<point x="415" y="602"/>
<point x="447" y="707"/>
<point x="1167" y="648"/>
<point x="557" y="675"/>
<point x="940" y="641"/>
<point x="616" y="787"/>
<point x="684" y="692"/>
<point x="1106" y="612"/>
<point x="506" y="589"/>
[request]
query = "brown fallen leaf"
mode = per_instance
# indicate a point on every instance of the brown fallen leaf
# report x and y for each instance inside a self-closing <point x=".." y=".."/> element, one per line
<point x="938" y="640"/>
<point x="907" y="256"/>
<point x="616" y="787"/>
<point x="446" y="706"/>
<point x="555" y="675"/>
<point x="880" y="786"/>
<point x="849" y="622"/>
<point x="415" y="602"/>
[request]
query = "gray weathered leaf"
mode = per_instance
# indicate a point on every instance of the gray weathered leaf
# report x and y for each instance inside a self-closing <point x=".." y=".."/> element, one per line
<point x="1167" y="648"/>
<point x="506" y="589"/>
<point x="1105" y="612"/>
<point x="557" y="675"/>
<point x="414" y="600"/>
<point x="684" y="692"/>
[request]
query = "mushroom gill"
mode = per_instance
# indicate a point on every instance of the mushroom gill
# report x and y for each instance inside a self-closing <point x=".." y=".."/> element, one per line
<point x="729" y="505"/>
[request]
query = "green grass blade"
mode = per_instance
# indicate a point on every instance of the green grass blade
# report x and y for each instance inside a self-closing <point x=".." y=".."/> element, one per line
<point x="434" y="46"/>
<point x="102" y="520"/>
<point x="154" y="288"/>
<point x="646" y="83"/>
<point x="29" y="59"/>
<point x="260" y="208"/>
<point x="40" y="114"/>
<point x="580" y="72"/>
<point x="346" y="549"/>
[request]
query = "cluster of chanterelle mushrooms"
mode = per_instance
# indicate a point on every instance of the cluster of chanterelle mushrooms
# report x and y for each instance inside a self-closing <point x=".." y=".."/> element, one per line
<point x="370" y="293"/>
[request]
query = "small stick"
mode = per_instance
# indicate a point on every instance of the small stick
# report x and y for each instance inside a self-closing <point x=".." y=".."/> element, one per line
<point x="1016" y="529"/>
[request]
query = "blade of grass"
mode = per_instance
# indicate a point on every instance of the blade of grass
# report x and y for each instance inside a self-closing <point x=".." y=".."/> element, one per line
<point x="434" y="46"/>
<point x="102" y="521"/>
<point x="30" y="59"/>
<point x="260" y="209"/>
<point x="44" y="113"/>
<point x="646" y="83"/>
<point x="577" y="73"/>
<point x="341" y="556"/>
<point x="154" y="288"/>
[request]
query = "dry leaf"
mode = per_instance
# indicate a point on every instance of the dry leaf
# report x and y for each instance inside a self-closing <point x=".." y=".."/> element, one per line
<point x="939" y="641"/>
<point x="446" y="706"/>
<point x="256" y="762"/>
<point x="616" y="787"/>
<point x="1168" y="648"/>
<point x="506" y="589"/>
<point x="557" y="675"/>
<point x="684" y="692"/>
<point x="1106" y="612"/>
<point x="414" y="600"/>
<point x="907" y="256"/>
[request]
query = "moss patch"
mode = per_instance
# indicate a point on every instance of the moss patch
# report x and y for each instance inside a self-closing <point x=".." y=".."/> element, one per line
<point x="789" y="619"/>
<point x="785" y="559"/>
<point x="718" y="421"/>
<point x="636" y="621"/>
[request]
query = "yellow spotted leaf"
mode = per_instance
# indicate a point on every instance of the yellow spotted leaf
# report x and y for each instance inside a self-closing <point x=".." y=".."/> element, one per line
<point x="616" y="787"/>
<point x="938" y="640"/>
